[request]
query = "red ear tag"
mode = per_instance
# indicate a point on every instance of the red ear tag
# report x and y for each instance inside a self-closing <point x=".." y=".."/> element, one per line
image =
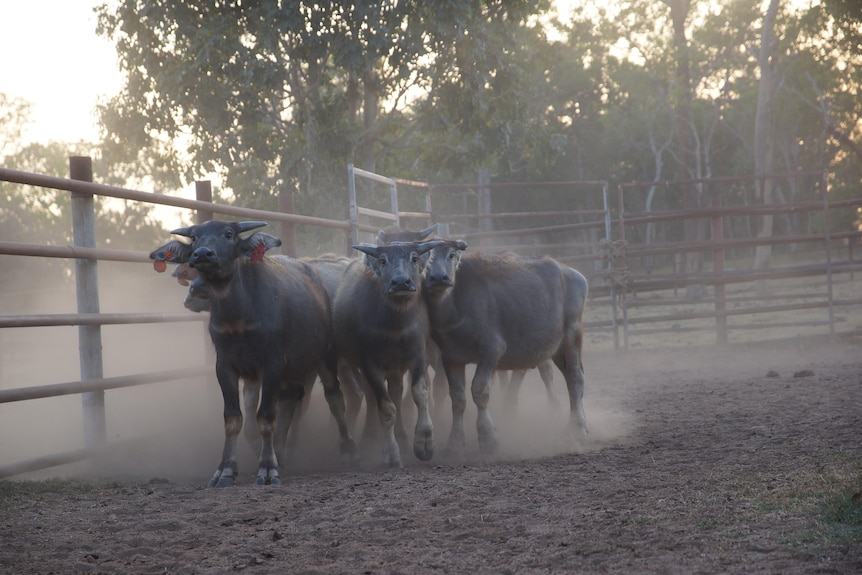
<point x="257" y="254"/>
<point x="160" y="266"/>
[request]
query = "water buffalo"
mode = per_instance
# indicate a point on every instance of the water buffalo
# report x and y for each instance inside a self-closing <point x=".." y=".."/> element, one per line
<point x="331" y="268"/>
<point x="381" y="330"/>
<point x="439" y="387"/>
<point x="502" y="311"/>
<point x="270" y="322"/>
<point x="370" y="433"/>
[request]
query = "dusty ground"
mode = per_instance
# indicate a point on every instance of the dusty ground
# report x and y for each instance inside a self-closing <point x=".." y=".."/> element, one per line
<point x="699" y="461"/>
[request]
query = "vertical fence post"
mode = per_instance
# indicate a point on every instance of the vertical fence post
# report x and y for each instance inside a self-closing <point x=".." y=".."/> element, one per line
<point x="621" y="210"/>
<point x="288" y="229"/>
<point x="718" y="269"/>
<point x="87" y="293"/>
<point x="612" y="290"/>
<point x="354" y="209"/>
<point x="827" y="236"/>
<point x="203" y="193"/>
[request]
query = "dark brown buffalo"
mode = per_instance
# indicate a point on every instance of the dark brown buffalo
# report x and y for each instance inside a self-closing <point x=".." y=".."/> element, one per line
<point x="502" y="311"/>
<point x="270" y="322"/>
<point x="371" y="430"/>
<point x="331" y="269"/>
<point x="381" y="330"/>
<point x="511" y="382"/>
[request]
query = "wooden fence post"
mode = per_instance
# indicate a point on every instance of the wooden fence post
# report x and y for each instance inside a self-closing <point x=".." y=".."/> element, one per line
<point x="87" y="292"/>
<point x="203" y="193"/>
<point x="288" y="229"/>
<point x="718" y="270"/>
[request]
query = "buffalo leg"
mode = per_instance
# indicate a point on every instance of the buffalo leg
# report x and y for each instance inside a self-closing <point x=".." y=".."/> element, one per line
<point x="267" y="464"/>
<point x="512" y="388"/>
<point x="455" y="374"/>
<point x="226" y="472"/>
<point x="387" y="413"/>
<point x="352" y="391"/>
<point x="289" y="402"/>
<point x="439" y="385"/>
<point x="481" y="391"/>
<point x="371" y="428"/>
<point x="250" y="400"/>
<point x="395" y="384"/>
<point x="335" y="400"/>
<point x="546" y="372"/>
<point x="423" y="435"/>
<point x="568" y="360"/>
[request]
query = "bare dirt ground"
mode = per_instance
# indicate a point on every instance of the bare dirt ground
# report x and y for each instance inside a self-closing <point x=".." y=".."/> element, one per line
<point x="740" y="459"/>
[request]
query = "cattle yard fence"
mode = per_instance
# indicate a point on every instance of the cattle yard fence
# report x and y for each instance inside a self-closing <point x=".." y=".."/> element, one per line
<point x="648" y="279"/>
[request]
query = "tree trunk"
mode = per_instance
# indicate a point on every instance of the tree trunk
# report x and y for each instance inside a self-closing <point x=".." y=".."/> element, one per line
<point x="679" y="10"/>
<point x="763" y="129"/>
<point x="485" y="224"/>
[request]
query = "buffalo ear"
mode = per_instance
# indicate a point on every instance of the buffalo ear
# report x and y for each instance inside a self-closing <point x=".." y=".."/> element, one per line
<point x="381" y="238"/>
<point x="247" y="246"/>
<point x="461" y="245"/>
<point x="174" y="251"/>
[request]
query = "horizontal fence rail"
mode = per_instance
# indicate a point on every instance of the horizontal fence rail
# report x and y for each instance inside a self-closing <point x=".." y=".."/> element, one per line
<point x="634" y="276"/>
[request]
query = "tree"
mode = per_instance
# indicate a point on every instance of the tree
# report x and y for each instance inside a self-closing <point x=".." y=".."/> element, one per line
<point x="38" y="215"/>
<point x="763" y="125"/>
<point x="279" y="96"/>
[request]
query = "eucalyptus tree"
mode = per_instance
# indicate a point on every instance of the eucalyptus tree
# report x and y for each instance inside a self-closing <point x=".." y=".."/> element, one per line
<point x="279" y="95"/>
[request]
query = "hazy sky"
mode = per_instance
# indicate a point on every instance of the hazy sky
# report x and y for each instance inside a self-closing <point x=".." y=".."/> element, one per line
<point x="51" y="56"/>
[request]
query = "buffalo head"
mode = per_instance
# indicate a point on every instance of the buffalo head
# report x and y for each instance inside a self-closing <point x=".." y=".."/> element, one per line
<point x="215" y="247"/>
<point x="444" y="260"/>
<point x="398" y="265"/>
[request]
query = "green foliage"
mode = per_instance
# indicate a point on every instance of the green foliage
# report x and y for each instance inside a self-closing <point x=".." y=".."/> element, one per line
<point x="280" y="96"/>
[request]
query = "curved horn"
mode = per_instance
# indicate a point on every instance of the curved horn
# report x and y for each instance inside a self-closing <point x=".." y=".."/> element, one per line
<point x="428" y="231"/>
<point x="425" y="247"/>
<point x="187" y="232"/>
<point x="247" y="226"/>
<point x="367" y="249"/>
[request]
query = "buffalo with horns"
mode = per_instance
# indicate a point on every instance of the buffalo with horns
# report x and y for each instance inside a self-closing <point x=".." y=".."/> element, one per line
<point x="502" y="311"/>
<point x="270" y="321"/>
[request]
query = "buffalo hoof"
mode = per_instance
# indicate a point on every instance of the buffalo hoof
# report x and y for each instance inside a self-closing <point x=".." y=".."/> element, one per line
<point x="454" y="449"/>
<point x="268" y="477"/>
<point x="349" y="453"/>
<point x="267" y="481"/>
<point x="488" y="444"/>
<point x="223" y="481"/>
<point x="222" y="478"/>
<point x="393" y="462"/>
<point x="424" y="450"/>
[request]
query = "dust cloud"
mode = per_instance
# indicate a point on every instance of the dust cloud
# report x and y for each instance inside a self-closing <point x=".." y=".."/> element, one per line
<point x="173" y="430"/>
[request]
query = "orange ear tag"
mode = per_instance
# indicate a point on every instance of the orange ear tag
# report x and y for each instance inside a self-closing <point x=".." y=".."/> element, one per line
<point x="257" y="254"/>
<point x="160" y="266"/>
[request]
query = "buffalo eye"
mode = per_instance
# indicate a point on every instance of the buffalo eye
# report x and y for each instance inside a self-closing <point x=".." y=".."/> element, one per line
<point x="228" y="234"/>
<point x="451" y="255"/>
<point x="382" y="259"/>
<point x="414" y="258"/>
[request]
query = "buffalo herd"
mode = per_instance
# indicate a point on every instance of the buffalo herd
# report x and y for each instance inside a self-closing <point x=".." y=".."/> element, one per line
<point x="408" y="305"/>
